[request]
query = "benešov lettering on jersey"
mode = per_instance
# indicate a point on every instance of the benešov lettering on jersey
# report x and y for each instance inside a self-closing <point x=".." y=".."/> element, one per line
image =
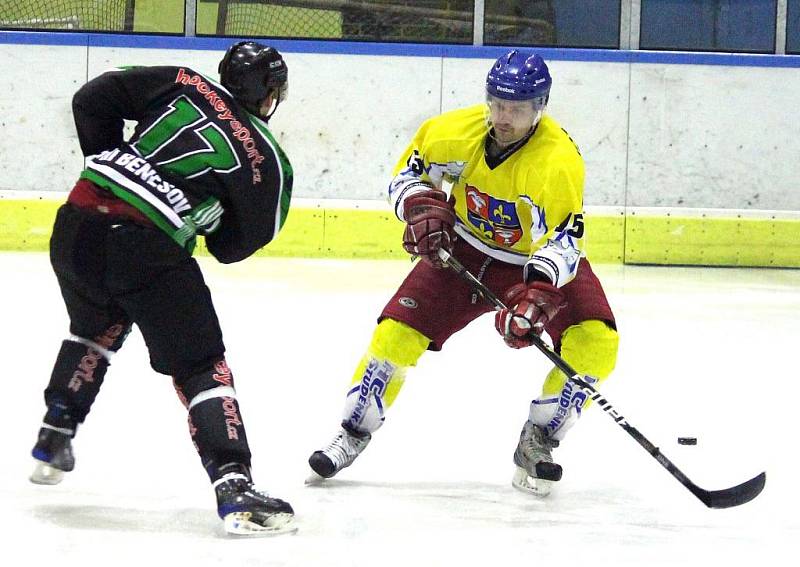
<point x="132" y="177"/>
<point x="144" y="171"/>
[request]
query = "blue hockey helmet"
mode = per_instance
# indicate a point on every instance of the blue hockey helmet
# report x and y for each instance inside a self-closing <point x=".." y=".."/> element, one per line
<point x="252" y="71"/>
<point x="520" y="75"/>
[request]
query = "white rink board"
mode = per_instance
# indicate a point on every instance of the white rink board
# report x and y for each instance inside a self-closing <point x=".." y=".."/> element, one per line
<point x="700" y="347"/>
<point x="39" y="147"/>
<point x="696" y="136"/>
<point x="720" y="136"/>
<point x="348" y="118"/>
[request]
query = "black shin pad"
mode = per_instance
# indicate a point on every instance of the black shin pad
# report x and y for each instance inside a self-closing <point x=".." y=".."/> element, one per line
<point x="74" y="384"/>
<point x="215" y="421"/>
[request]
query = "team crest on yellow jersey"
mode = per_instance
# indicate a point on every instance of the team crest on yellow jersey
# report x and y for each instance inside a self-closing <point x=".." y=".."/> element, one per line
<point x="495" y="218"/>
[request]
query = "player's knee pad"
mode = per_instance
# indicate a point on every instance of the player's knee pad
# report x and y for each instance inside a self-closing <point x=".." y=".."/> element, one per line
<point x="79" y="370"/>
<point x="381" y="373"/>
<point x="215" y="422"/>
<point x="591" y="349"/>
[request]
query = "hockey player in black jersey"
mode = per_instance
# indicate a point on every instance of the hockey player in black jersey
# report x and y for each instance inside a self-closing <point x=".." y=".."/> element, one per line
<point x="201" y="161"/>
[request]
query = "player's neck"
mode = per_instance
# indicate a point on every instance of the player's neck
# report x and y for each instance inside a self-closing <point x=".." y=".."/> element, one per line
<point x="495" y="147"/>
<point x="499" y="151"/>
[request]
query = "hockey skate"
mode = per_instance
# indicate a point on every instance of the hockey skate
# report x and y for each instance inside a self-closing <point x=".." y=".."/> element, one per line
<point x="247" y="511"/>
<point x="340" y="453"/>
<point x="536" y="472"/>
<point x="53" y="455"/>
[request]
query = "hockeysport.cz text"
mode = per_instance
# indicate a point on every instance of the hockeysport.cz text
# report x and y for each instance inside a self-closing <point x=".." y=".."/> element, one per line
<point x="85" y="371"/>
<point x="240" y="131"/>
<point x="222" y="374"/>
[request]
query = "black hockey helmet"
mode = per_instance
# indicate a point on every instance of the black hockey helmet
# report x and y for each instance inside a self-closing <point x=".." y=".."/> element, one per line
<point x="251" y="71"/>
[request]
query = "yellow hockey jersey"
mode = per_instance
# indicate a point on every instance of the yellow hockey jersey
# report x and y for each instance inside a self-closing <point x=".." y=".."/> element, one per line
<point x="525" y="208"/>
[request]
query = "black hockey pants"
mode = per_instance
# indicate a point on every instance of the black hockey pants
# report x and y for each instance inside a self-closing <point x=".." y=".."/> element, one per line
<point x="114" y="273"/>
<point x="113" y="270"/>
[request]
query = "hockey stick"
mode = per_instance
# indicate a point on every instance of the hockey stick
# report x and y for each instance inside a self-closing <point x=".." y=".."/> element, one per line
<point x="725" y="498"/>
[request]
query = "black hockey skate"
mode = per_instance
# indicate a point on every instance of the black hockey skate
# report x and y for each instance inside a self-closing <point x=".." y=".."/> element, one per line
<point x="340" y="453"/>
<point x="536" y="472"/>
<point x="53" y="455"/>
<point x="247" y="511"/>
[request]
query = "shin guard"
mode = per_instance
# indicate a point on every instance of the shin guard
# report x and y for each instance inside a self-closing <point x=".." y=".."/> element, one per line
<point x="215" y="422"/>
<point x="591" y="349"/>
<point x="381" y="373"/>
<point x="77" y="375"/>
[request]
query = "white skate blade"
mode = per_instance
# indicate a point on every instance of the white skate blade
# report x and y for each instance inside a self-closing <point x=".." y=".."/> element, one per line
<point x="239" y="524"/>
<point x="46" y="474"/>
<point x="531" y="485"/>
<point x="314" y="479"/>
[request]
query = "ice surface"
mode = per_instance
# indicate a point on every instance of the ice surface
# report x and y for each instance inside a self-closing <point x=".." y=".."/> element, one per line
<point x="707" y="353"/>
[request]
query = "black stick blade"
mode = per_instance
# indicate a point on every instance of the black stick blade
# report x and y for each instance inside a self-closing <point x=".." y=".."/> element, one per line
<point x="734" y="496"/>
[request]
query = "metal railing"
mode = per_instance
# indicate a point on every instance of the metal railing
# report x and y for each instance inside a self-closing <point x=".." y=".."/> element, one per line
<point x="426" y="21"/>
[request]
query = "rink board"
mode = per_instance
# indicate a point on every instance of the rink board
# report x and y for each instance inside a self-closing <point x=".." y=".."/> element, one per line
<point x="632" y="236"/>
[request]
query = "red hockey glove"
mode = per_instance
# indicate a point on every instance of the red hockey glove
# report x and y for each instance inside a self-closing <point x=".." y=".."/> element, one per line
<point x="530" y="307"/>
<point x="430" y="220"/>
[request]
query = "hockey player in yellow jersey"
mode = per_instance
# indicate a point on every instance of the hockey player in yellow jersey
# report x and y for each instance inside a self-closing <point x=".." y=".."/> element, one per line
<point x="500" y="194"/>
<point x="514" y="218"/>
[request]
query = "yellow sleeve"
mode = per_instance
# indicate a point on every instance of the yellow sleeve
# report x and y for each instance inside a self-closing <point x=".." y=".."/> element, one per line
<point x="557" y="245"/>
<point x="439" y="151"/>
<point x="412" y="173"/>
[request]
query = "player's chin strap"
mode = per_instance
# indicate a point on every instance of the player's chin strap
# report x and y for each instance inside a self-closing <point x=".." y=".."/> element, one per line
<point x="725" y="498"/>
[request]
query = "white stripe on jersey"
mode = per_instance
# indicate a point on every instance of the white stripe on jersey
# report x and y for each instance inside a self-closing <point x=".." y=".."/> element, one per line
<point x="259" y="124"/>
<point x="133" y="187"/>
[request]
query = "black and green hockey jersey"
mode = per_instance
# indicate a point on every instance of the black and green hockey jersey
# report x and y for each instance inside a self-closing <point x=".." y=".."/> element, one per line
<point x="197" y="162"/>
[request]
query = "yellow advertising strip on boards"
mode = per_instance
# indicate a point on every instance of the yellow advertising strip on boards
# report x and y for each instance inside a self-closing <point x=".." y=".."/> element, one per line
<point x="714" y="238"/>
<point x="665" y="237"/>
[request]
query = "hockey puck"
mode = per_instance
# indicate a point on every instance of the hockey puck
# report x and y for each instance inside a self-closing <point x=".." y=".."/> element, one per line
<point x="687" y="440"/>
